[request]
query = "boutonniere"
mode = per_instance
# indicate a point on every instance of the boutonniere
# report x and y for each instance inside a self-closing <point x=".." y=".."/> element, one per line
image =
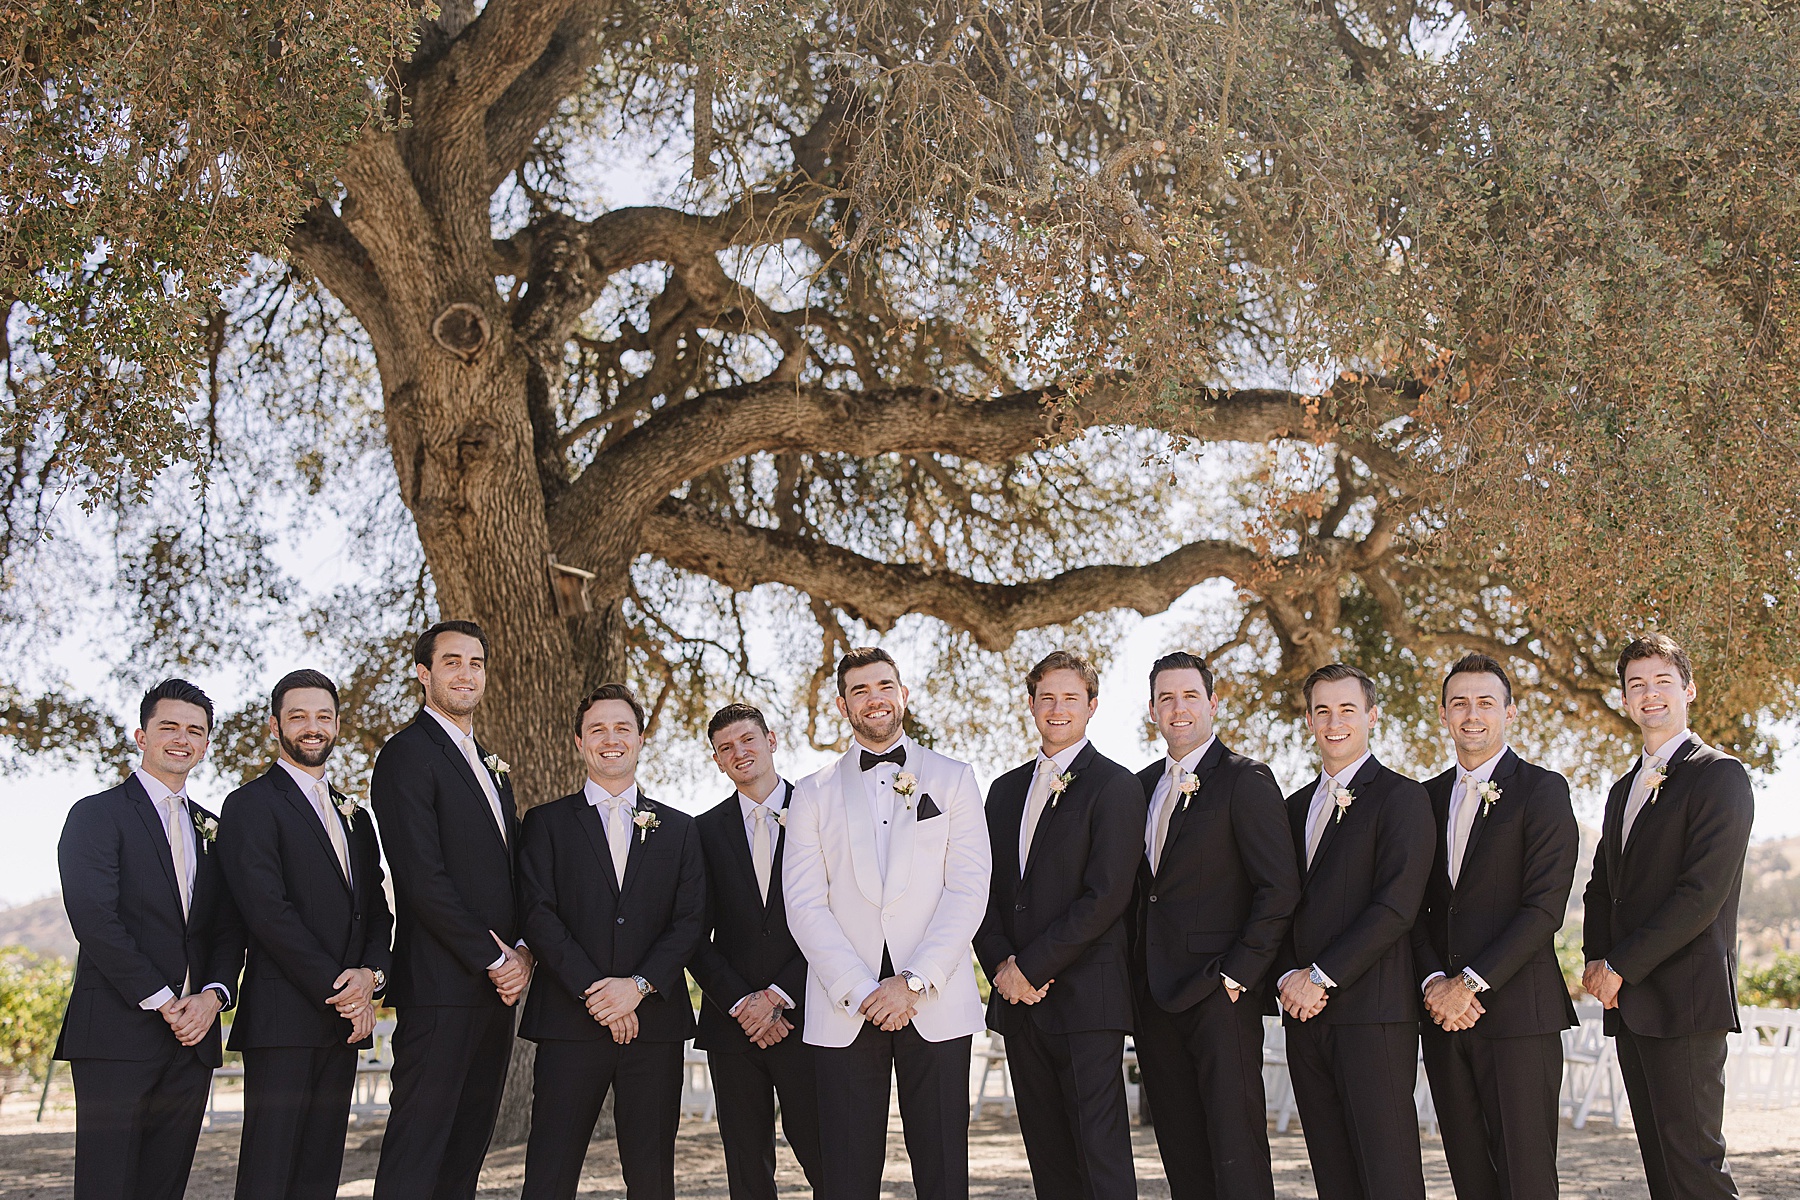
<point x="781" y="818"/>
<point x="646" y="820"/>
<point x="1059" y="785"/>
<point x="1189" y="784"/>
<point x="1488" y="792"/>
<point x="499" y="766"/>
<point x="1340" y="796"/>
<point x="207" y="826"/>
<point x="348" y="807"/>
<point x="905" y="784"/>
<point x="1653" y="779"/>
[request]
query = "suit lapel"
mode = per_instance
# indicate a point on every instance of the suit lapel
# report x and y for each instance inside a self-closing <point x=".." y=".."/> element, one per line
<point x="1299" y="805"/>
<point x="738" y="847"/>
<point x="1687" y="747"/>
<point x="291" y="792"/>
<point x="1613" y="823"/>
<point x="1359" y="786"/>
<point x="640" y="840"/>
<point x="773" y="902"/>
<point x="455" y="755"/>
<point x="1214" y="755"/>
<point x="159" y="836"/>
<point x="1503" y="770"/>
<point x="859" y="825"/>
<point x="593" y="824"/>
<point x="900" y="845"/>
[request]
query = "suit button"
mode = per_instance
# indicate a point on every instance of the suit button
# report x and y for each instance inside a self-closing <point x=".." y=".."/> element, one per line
<point x="1018" y="908"/>
<point x="1617" y="901"/>
<point x="1453" y="910"/>
<point x="621" y="920"/>
<point x="1153" y="899"/>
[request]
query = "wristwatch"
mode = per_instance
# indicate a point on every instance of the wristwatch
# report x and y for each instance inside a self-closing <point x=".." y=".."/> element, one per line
<point x="643" y="985"/>
<point x="380" y="979"/>
<point x="914" y="983"/>
<point x="1317" y="976"/>
<point x="1471" y="982"/>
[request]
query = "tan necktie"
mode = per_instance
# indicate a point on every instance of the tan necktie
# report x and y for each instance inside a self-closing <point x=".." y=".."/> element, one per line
<point x="334" y="829"/>
<point x="178" y="851"/>
<point x="1461" y="822"/>
<point x="762" y="848"/>
<point x="1319" y="815"/>
<point x="1640" y="795"/>
<point x="1034" y="808"/>
<point x="485" y="780"/>
<point x="618" y="835"/>
<point x="1171" y="797"/>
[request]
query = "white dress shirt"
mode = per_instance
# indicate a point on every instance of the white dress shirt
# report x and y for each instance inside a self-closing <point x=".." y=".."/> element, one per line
<point x="318" y="793"/>
<point x="1460" y="820"/>
<point x="174" y="828"/>
<point x="615" y="814"/>
<point x="878" y="786"/>
<point x="774" y="803"/>
<point x="1165" y="785"/>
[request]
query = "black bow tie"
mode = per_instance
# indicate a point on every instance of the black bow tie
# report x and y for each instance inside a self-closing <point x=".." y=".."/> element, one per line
<point x="897" y="756"/>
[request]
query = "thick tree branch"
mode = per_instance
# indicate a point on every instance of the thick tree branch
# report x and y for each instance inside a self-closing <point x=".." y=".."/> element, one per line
<point x="322" y="245"/>
<point x="515" y="119"/>
<point x="741" y="556"/>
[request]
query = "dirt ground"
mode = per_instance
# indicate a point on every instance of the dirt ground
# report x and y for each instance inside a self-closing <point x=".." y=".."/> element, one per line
<point x="1598" y="1163"/>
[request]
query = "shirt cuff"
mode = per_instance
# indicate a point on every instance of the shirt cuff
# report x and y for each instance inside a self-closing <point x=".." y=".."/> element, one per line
<point x="785" y="998"/>
<point x="224" y="993"/>
<point x="1329" y="981"/>
<point x="859" y="993"/>
<point x="157" y="1001"/>
<point x="1279" y="983"/>
<point x="1431" y="979"/>
<point x="1231" y="983"/>
<point x="497" y="963"/>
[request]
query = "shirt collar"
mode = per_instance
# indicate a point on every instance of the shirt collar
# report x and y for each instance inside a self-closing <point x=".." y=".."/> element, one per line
<point x="1062" y="758"/>
<point x="158" y="790"/>
<point x="1347" y="774"/>
<point x="597" y="795"/>
<point x="775" y="801"/>
<point x="308" y="785"/>
<point x="450" y="727"/>
<point x="1669" y="748"/>
<point x="1485" y="771"/>
<point x="1191" y="759"/>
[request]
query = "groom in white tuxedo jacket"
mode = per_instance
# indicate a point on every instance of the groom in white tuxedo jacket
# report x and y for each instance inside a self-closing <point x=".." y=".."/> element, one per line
<point x="885" y="876"/>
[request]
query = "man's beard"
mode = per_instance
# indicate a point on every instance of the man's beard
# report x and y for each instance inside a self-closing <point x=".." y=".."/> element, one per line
<point x="307" y="758"/>
<point x="881" y="729"/>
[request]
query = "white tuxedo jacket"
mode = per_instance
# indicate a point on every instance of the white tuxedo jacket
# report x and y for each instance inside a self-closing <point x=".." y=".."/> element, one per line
<point x="841" y="913"/>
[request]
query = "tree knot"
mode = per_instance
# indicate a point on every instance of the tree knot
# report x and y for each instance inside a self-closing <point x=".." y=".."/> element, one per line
<point x="462" y="329"/>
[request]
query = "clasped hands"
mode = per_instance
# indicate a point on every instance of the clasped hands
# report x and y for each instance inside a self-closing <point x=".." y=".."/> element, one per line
<point x="190" y="1017"/>
<point x="891" y="1006"/>
<point x="514" y="971"/>
<point x="1602" y="982"/>
<point x="1301" y="998"/>
<point x="613" y="1002"/>
<point x="355" y="1001"/>
<point x="1011" y="983"/>
<point x="1453" y="1006"/>
<point x="762" y="1016"/>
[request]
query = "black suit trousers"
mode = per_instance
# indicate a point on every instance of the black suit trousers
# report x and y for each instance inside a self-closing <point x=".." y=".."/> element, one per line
<point x="296" y="1112"/>
<point x="1676" y="1087"/>
<point x="1496" y="1101"/>
<point x="934" y="1111"/>
<point x="569" y="1088"/>
<point x="1203" y="1069"/>
<point x="1070" y="1089"/>
<point x="449" y="1070"/>
<point x="1353" y="1084"/>
<point x="746" y="1085"/>
<point x="137" y="1123"/>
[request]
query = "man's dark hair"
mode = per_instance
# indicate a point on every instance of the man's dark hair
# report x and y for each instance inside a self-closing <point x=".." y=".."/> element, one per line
<point x="1333" y="672"/>
<point x="863" y="656"/>
<point x="1181" y="660"/>
<point x="1477" y="664"/>
<point x="1657" y="645"/>
<point x="1063" y="660"/>
<point x="426" y="646"/>
<point x="610" y="691"/>
<point x="731" y="714"/>
<point x="294" y="681"/>
<point x="174" y="689"/>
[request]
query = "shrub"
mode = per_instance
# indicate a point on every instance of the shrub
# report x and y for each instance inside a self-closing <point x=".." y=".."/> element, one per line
<point x="1774" y="986"/>
<point x="34" y="991"/>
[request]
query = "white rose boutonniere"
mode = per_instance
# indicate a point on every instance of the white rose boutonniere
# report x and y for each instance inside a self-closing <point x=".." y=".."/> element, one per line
<point x="1060" y="784"/>
<point x="499" y="766"/>
<point x="781" y="818"/>
<point x="207" y="827"/>
<point x="1340" y="796"/>
<point x="1488" y="792"/>
<point x="1653" y="780"/>
<point x="646" y="820"/>
<point x="905" y="784"/>
<point x="1188" y="785"/>
<point x="348" y="807"/>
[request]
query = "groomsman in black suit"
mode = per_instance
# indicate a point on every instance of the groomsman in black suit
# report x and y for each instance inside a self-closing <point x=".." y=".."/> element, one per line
<point x="161" y="950"/>
<point x="1363" y="838"/>
<point x="1484" y="946"/>
<point x="450" y="828"/>
<point x="1064" y="830"/>
<point x="1217" y="885"/>
<point x="613" y="890"/>
<point x="305" y="871"/>
<point x="751" y="974"/>
<point x="1661" y="917"/>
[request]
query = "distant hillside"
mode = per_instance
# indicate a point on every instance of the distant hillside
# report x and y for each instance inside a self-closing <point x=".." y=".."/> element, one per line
<point x="41" y="926"/>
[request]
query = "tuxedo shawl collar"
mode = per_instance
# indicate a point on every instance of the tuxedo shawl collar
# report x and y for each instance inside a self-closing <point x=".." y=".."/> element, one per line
<point x="846" y="777"/>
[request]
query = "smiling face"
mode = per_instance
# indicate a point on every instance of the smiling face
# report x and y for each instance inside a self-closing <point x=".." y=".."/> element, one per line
<point x="1341" y="720"/>
<point x="1477" y="714"/>
<point x="1182" y="709"/>
<point x="1657" y="699"/>
<point x="610" y="742"/>
<point x="747" y="756"/>
<point x="874" y="702"/>
<point x="457" y="675"/>
<point x="306" y="727"/>
<point x="1061" y="709"/>
<point x="174" y="741"/>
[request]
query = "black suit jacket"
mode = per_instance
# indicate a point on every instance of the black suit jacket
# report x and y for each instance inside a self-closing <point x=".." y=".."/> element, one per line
<point x="1502" y="915"/>
<point x="118" y="882"/>
<point x="583" y="925"/>
<point x="1361" y="896"/>
<point x="306" y="922"/>
<point x="1662" y="908"/>
<point x="746" y="945"/>
<point x="1063" y="916"/>
<point x="454" y="874"/>
<point x="1226" y="888"/>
